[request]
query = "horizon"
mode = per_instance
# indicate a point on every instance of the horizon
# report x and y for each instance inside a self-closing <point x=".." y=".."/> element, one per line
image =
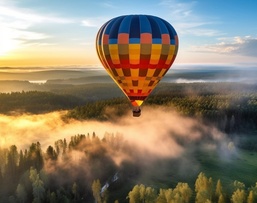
<point x="42" y="33"/>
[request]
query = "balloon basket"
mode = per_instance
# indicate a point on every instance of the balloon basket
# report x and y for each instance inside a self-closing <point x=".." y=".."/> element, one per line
<point x="136" y="111"/>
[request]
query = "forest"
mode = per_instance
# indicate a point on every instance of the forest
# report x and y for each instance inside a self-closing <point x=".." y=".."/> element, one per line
<point x="231" y="107"/>
<point x="83" y="170"/>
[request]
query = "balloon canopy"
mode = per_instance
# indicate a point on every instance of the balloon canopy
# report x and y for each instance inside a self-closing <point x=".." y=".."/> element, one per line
<point x="137" y="51"/>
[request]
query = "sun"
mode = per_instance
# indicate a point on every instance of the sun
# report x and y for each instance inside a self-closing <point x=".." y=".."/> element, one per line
<point x="7" y="43"/>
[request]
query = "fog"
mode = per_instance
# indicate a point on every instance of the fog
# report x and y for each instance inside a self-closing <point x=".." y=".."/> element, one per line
<point x="157" y="131"/>
<point x="159" y="144"/>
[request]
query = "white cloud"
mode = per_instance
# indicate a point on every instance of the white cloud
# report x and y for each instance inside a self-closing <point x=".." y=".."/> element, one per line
<point x="245" y="46"/>
<point x="187" y="21"/>
<point x="96" y="22"/>
<point x="16" y="24"/>
<point x="28" y="16"/>
<point x="108" y="4"/>
<point x="90" y="23"/>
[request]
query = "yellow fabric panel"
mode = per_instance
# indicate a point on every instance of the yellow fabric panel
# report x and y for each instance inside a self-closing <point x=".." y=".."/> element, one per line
<point x="114" y="53"/>
<point x="162" y="72"/>
<point x="171" y="54"/>
<point x="115" y="59"/>
<point x="156" y="49"/>
<point x="145" y="90"/>
<point x="113" y="48"/>
<point x="141" y="84"/>
<point x="172" y="49"/>
<point x="130" y="85"/>
<point x="134" y="53"/>
<point x="150" y="72"/>
<point x="134" y="47"/>
<point x="134" y="72"/>
<point x="155" y="53"/>
<point x="154" y="57"/>
<point x="134" y="57"/>
<point x="119" y="72"/>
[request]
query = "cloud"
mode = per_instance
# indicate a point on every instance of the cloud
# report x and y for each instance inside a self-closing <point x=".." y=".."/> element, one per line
<point x="157" y="128"/>
<point x="16" y="26"/>
<point x="187" y="21"/>
<point x="90" y="23"/>
<point x="96" y="22"/>
<point x="245" y="46"/>
<point x="147" y="142"/>
<point x="108" y="4"/>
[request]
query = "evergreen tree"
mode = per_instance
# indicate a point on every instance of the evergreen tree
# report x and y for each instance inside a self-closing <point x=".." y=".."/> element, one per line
<point x="221" y="199"/>
<point x="21" y="194"/>
<point x="50" y="153"/>
<point x="250" y="198"/>
<point x="161" y="196"/>
<point x="96" y="188"/>
<point x="184" y="191"/>
<point x="12" y="163"/>
<point x="203" y="188"/>
<point x="74" y="190"/>
<point x="134" y="194"/>
<point x="238" y="196"/>
<point x="38" y="190"/>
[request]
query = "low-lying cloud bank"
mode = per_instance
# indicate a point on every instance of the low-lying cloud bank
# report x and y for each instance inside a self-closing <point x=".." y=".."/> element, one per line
<point x="157" y="131"/>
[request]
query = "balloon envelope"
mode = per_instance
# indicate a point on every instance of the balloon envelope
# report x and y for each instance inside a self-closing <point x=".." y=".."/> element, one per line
<point x="137" y="51"/>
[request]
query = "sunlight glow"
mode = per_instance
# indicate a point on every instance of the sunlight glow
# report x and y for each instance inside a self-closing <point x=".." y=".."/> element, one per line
<point x="7" y="42"/>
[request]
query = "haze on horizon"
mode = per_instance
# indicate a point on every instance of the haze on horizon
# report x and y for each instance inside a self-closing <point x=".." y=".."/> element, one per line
<point x="46" y="33"/>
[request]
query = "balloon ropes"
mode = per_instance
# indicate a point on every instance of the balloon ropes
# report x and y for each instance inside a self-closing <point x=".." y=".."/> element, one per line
<point x="137" y="51"/>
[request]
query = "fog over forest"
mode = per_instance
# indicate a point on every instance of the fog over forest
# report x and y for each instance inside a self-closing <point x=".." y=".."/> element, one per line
<point x="189" y="123"/>
<point x="155" y="132"/>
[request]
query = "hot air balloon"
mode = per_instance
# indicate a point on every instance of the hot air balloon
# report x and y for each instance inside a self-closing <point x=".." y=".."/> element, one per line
<point x="137" y="51"/>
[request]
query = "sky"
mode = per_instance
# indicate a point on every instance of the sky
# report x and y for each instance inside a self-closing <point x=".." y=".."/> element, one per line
<point x="63" y="32"/>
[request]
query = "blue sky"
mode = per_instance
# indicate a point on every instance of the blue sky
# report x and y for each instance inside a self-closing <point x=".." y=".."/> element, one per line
<point x="62" y="32"/>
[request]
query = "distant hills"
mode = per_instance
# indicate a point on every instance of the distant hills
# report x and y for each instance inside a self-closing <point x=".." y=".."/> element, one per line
<point x="27" y="79"/>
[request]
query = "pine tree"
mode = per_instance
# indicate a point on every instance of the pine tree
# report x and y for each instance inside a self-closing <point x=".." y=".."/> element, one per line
<point x="21" y="193"/>
<point x="250" y="198"/>
<point x="203" y="188"/>
<point x="96" y="188"/>
<point x="184" y="191"/>
<point x="134" y="194"/>
<point x="238" y="196"/>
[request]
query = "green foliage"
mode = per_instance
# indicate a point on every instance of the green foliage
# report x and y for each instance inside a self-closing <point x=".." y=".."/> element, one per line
<point x="238" y="196"/>
<point x="203" y="188"/>
<point x="32" y="183"/>
<point x="100" y="110"/>
<point x="140" y="193"/>
<point x="36" y="102"/>
<point x="232" y="107"/>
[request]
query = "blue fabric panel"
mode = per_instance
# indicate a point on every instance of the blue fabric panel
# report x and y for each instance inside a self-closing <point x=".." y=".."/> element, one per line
<point x="125" y="24"/>
<point x="109" y="26"/>
<point x="115" y="28"/>
<point x="145" y="26"/>
<point x="171" y="30"/>
<point x="162" y="26"/>
<point x="113" y="41"/>
<point x="135" y="29"/>
<point x="134" y="40"/>
<point x="155" y="27"/>
<point x="172" y="41"/>
<point x="156" y="40"/>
